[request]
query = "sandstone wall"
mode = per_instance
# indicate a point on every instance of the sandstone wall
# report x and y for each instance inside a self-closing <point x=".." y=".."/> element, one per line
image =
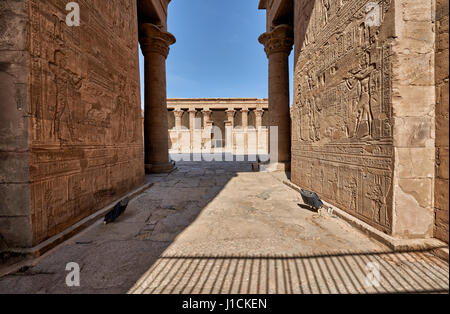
<point x="15" y="223"/>
<point x="442" y="124"/>
<point x="85" y="129"/>
<point x="363" y="126"/>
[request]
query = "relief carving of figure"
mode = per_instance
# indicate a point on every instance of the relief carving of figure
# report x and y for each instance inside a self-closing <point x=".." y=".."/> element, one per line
<point x="313" y="112"/>
<point x="326" y="7"/>
<point x="362" y="107"/>
<point x="66" y="82"/>
<point x="376" y="195"/>
<point x="352" y="187"/>
<point x="120" y="111"/>
<point x="58" y="30"/>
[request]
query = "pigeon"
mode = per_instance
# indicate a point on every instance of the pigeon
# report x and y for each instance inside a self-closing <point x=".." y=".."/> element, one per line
<point x="311" y="199"/>
<point x="256" y="166"/>
<point x="118" y="210"/>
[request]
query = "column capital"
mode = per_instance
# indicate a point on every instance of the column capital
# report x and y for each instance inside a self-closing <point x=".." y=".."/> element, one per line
<point x="207" y="116"/>
<point x="155" y="40"/>
<point x="178" y="113"/>
<point x="259" y="112"/>
<point x="245" y="110"/>
<point x="192" y="110"/>
<point x="230" y="116"/>
<point x="280" y="39"/>
<point x="230" y="112"/>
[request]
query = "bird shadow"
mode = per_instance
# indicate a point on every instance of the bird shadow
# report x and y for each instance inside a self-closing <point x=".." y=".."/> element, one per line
<point x="307" y="207"/>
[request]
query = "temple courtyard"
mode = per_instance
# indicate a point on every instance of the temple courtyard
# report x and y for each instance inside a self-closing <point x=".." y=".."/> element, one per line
<point x="220" y="227"/>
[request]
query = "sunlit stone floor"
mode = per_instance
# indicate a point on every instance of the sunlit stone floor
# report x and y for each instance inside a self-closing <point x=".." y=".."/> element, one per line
<point x="219" y="227"/>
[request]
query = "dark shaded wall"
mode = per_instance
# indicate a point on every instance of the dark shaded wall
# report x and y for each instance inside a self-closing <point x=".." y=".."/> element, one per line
<point x="15" y="219"/>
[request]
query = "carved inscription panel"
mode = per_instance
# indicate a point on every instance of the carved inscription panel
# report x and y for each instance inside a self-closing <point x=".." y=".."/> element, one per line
<point x="84" y="109"/>
<point x="342" y="111"/>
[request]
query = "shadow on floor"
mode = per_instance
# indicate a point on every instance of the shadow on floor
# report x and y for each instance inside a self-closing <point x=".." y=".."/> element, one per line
<point x="129" y="255"/>
<point x="346" y="273"/>
<point x="113" y="257"/>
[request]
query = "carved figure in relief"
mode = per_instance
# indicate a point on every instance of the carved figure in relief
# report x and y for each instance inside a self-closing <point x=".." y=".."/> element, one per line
<point x="65" y="82"/>
<point x="313" y="119"/>
<point x="352" y="187"/>
<point x="378" y="199"/>
<point x="326" y="7"/>
<point x="120" y="110"/>
<point x="364" y="109"/>
<point x="58" y="30"/>
<point x="361" y="78"/>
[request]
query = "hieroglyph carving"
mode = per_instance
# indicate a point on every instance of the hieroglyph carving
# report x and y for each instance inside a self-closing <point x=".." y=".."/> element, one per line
<point x="342" y="106"/>
<point x="66" y="83"/>
<point x="86" y="146"/>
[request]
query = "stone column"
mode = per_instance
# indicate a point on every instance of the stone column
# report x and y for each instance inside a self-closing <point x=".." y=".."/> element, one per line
<point x="155" y="48"/>
<point x="178" y="113"/>
<point x="229" y="125"/>
<point x="207" y="128"/>
<point x="278" y="44"/>
<point x="258" y="115"/>
<point x="192" y="115"/>
<point x="230" y="116"/>
<point x="244" y="113"/>
<point x="207" y="117"/>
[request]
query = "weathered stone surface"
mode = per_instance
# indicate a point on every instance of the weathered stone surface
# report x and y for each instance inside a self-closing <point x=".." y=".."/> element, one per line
<point x="77" y="90"/>
<point x="86" y="144"/>
<point x="442" y="123"/>
<point x="342" y="112"/>
<point x="14" y="145"/>
<point x="363" y="132"/>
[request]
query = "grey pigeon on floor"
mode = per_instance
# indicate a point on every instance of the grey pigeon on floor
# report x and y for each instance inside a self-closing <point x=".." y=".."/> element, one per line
<point x="118" y="210"/>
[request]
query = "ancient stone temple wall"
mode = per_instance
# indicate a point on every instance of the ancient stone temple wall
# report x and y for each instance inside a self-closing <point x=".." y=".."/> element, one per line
<point x="82" y="105"/>
<point x="363" y="121"/>
<point x="15" y="225"/>
<point x="442" y="125"/>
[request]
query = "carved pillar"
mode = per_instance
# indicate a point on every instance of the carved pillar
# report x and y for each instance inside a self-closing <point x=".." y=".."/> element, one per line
<point x="155" y="48"/>
<point x="178" y="113"/>
<point x="192" y="115"/>
<point x="278" y="44"/>
<point x="260" y="136"/>
<point x="207" y="128"/>
<point x="207" y="117"/>
<point x="230" y="116"/>
<point x="244" y="113"/>
<point x="259" y="115"/>
<point x="229" y="125"/>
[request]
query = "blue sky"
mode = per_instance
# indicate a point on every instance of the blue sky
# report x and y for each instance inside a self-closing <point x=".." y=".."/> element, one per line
<point x="217" y="53"/>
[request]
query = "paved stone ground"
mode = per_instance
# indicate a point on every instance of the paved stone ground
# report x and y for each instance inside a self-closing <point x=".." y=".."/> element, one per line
<point x="218" y="227"/>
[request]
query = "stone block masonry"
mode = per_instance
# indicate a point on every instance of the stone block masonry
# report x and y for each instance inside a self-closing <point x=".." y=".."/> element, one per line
<point x="71" y="136"/>
<point x="441" y="191"/>
<point x="363" y="118"/>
